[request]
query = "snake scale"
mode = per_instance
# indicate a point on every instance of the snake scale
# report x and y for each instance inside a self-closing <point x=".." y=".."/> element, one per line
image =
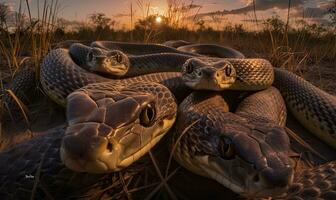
<point x="141" y="95"/>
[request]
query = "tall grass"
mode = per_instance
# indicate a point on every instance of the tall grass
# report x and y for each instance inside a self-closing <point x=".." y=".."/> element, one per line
<point x="32" y="34"/>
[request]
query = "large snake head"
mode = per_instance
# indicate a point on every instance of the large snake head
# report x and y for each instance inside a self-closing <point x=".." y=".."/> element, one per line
<point x="208" y="75"/>
<point x="248" y="157"/>
<point x="110" y="128"/>
<point x="113" y="62"/>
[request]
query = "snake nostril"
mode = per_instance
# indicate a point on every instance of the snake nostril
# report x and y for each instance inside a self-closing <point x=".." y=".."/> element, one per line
<point x="199" y="73"/>
<point x="109" y="147"/>
<point x="256" y="178"/>
<point x="217" y="74"/>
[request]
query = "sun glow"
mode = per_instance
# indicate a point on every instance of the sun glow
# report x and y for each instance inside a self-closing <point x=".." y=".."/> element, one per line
<point x="158" y="19"/>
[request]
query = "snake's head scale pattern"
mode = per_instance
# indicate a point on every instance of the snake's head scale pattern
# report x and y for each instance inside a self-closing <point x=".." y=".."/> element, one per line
<point x="113" y="62"/>
<point x="208" y="75"/>
<point x="249" y="157"/>
<point x="110" y="126"/>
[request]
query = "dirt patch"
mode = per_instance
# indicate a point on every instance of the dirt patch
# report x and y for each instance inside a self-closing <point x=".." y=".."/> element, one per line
<point x="323" y="76"/>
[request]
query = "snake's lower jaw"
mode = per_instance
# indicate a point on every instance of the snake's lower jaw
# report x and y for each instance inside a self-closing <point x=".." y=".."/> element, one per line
<point x="80" y="165"/>
<point x="155" y="136"/>
<point x="88" y="155"/>
<point x="260" y="186"/>
<point x="196" y="85"/>
<point x="240" y="178"/>
<point x="210" y="84"/>
<point x="111" y="69"/>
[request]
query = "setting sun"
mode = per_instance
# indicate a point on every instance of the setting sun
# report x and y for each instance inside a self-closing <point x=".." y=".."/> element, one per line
<point x="158" y="19"/>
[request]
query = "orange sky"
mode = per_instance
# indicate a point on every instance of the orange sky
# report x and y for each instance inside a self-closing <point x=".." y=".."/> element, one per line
<point x="235" y="11"/>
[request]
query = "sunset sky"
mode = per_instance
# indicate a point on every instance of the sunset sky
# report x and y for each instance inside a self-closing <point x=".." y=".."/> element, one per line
<point x="234" y="11"/>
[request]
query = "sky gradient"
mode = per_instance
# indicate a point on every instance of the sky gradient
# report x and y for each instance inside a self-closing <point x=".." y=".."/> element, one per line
<point x="233" y="11"/>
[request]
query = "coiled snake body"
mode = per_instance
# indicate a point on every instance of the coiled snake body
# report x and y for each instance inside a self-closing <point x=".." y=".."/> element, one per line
<point x="150" y="111"/>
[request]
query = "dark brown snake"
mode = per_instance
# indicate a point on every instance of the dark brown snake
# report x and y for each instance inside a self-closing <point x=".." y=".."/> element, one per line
<point x="56" y="81"/>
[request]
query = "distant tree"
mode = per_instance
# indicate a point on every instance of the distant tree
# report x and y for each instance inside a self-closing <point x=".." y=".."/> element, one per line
<point x="275" y="24"/>
<point x="103" y="25"/>
<point x="200" y="23"/>
<point x="313" y="29"/>
<point x="100" y="20"/>
<point x="239" y="29"/>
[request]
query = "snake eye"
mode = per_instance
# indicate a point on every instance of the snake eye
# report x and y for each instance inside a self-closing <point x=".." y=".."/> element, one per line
<point x="226" y="149"/>
<point x="90" y="56"/>
<point x="189" y="68"/>
<point x="147" y="115"/>
<point x="228" y="71"/>
<point x="118" y="58"/>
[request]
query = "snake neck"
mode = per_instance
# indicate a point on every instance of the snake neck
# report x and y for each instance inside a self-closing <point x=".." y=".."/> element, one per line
<point x="40" y="158"/>
<point x="176" y="43"/>
<point x="78" y="53"/>
<point x="212" y="50"/>
<point x="60" y="75"/>
<point x="264" y="106"/>
<point x="137" y="48"/>
<point x="152" y="63"/>
<point x="311" y="106"/>
<point x="21" y="90"/>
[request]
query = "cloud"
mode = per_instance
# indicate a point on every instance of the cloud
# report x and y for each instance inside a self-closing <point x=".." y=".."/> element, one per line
<point x="315" y="12"/>
<point x="320" y="11"/>
<point x="265" y="5"/>
<point x="260" y="5"/>
<point x="325" y="4"/>
<point x="187" y="8"/>
<point x="121" y="15"/>
<point x="190" y="7"/>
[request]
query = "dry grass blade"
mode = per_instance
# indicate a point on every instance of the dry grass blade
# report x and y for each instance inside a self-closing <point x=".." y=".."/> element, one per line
<point x="150" y="196"/>
<point x="297" y="138"/>
<point x="143" y="187"/>
<point x="121" y="177"/>
<point x="171" y="194"/>
<point x="175" y="145"/>
<point x="21" y="105"/>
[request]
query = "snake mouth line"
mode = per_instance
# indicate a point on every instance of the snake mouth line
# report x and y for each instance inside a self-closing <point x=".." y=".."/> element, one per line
<point x="248" y="188"/>
<point x="213" y="85"/>
<point x="118" y="69"/>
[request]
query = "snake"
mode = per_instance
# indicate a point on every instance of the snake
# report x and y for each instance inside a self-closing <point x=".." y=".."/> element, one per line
<point x="91" y="112"/>
<point x="22" y="86"/>
<point x="115" y="63"/>
<point x="314" y="108"/>
<point x="213" y="50"/>
<point x="138" y="48"/>
<point x="176" y="43"/>
<point x="61" y="77"/>
<point x="246" y="151"/>
<point x="94" y="140"/>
